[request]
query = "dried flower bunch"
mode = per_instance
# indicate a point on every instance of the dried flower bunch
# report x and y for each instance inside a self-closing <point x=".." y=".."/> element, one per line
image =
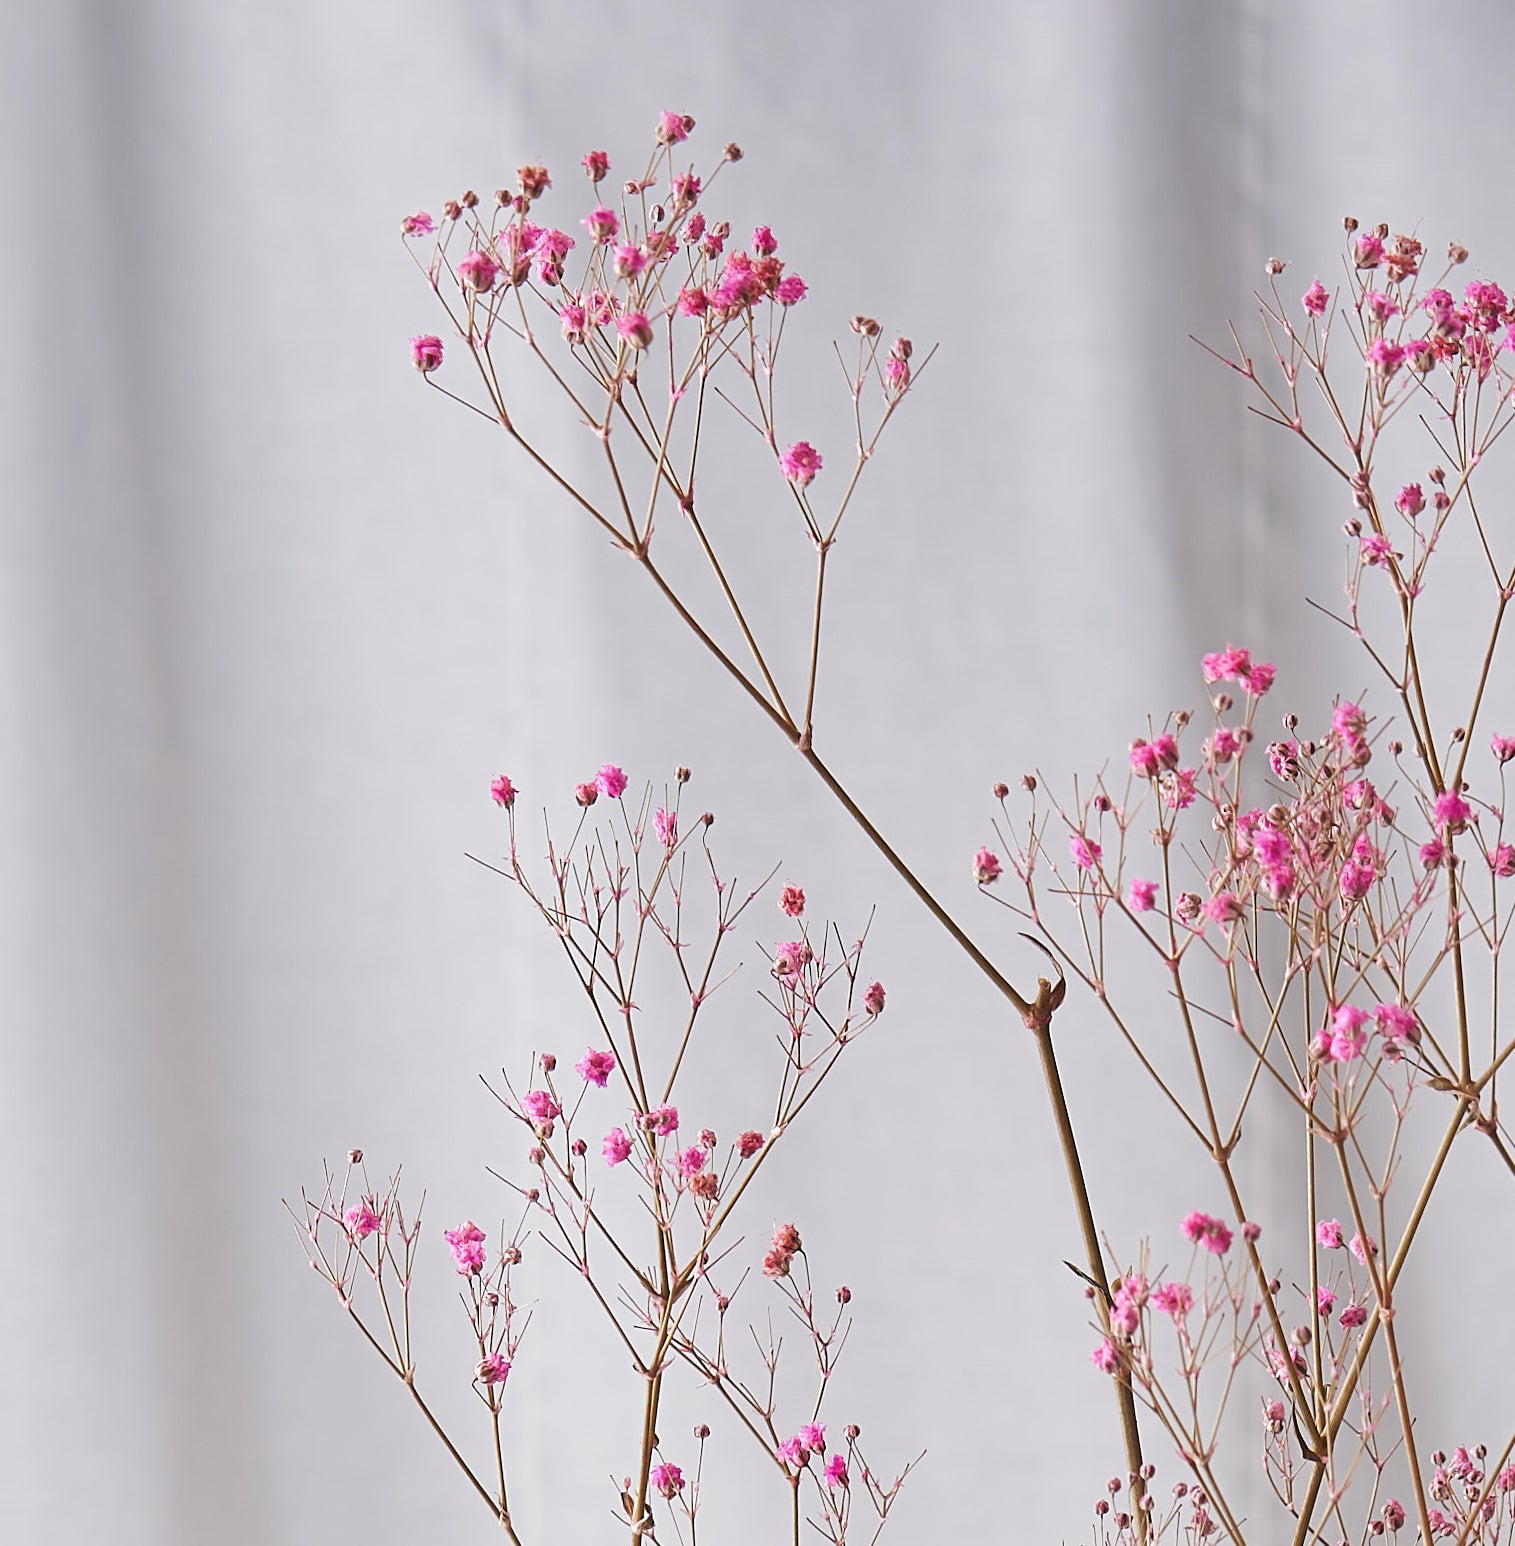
<point x="1326" y="918"/>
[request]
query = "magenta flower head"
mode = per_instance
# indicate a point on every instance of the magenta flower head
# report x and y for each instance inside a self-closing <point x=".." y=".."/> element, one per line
<point x="586" y="794"/>
<point x="873" y="998"/>
<point x="596" y="1067"/>
<point x="611" y="781"/>
<point x="596" y="164"/>
<point x="667" y="1479"/>
<point x="1085" y="854"/>
<point x="813" y="1437"/>
<point x="1141" y="895"/>
<point x="602" y="224"/>
<point x="502" y="791"/>
<point x="466" y="1243"/>
<point x="1503" y="747"/>
<point x="426" y="352"/>
<point x="662" y="1122"/>
<point x="1451" y="810"/>
<point x="361" y="1220"/>
<point x="478" y="271"/>
<point x="635" y="329"/>
<point x="673" y="128"/>
<point x="764" y="242"/>
<point x="666" y="825"/>
<point x="1328" y="1234"/>
<point x="616" y="1147"/>
<point x="749" y="1143"/>
<point x="1502" y="860"/>
<point x="418" y="224"/>
<point x="800" y="463"/>
<point x="1208" y="1232"/>
<point x="493" y="1369"/>
<point x="540" y="1106"/>
<point x="986" y="867"/>
<point x="836" y="1471"/>
<point x="790" y="290"/>
<point x="1315" y="298"/>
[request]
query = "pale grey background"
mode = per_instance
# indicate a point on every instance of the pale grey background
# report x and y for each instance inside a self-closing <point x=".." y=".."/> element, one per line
<point x="273" y="615"/>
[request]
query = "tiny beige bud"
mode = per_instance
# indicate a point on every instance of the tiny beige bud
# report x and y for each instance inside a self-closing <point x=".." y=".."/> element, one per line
<point x="1457" y="253"/>
<point x="469" y="199"/>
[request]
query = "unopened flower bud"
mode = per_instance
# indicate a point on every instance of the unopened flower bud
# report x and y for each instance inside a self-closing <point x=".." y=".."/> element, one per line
<point x="702" y="1431"/>
<point x="535" y="1156"/>
<point x="844" y="1295"/>
<point x="502" y="197"/>
<point x="1028" y="782"/>
<point x="452" y="209"/>
<point x="865" y="326"/>
<point x="1349" y="224"/>
<point x="533" y="1195"/>
<point x="733" y="152"/>
<point x="1457" y="253"/>
<point x="1223" y="702"/>
<point x="492" y="1299"/>
<point x="1000" y="791"/>
<point x="469" y="199"/>
<point x="354" y="1156"/>
<point x="1102" y="803"/>
<point x="549" y="1062"/>
<point x="1437" y="475"/>
<point x="708" y="819"/>
<point x="681" y="774"/>
<point x="1275" y="265"/>
<point x="850" y="1432"/>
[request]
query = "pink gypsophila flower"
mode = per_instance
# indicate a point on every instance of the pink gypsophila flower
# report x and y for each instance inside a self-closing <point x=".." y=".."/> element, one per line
<point x="667" y="1479"/>
<point x="1141" y="895"/>
<point x="635" y="329"/>
<point x="596" y="164"/>
<point x="1085" y="854"/>
<point x="1325" y="1301"/>
<point x="1328" y="1234"/>
<point x="602" y="225"/>
<point x="749" y="1143"/>
<point x="1105" y="1357"/>
<point x="493" y="1369"/>
<point x="873" y="999"/>
<point x="790" y="1451"/>
<point x="813" y="1437"/>
<point x="666" y="825"/>
<point x="691" y="1161"/>
<point x="986" y="867"/>
<point x="616" y="1147"/>
<point x="1503" y="747"/>
<point x="1451" y="810"/>
<point x="1384" y="357"/>
<point x="792" y="901"/>
<point x="361" y="1220"/>
<point x="663" y="1121"/>
<point x="800" y="463"/>
<point x="1354" y="1315"/>
<point x="418" y="224"/>
<point x="1145" y="762"/>
<point x="1174" y="1299"/>
<point x="1209" y="1232"/>
<point x="791" y="289"/>
<point x="1410" y="501"/>
<point x="836" y="1471"/>
<point x="1362" y="1247"/>
<point x="478" y="271"/>
<point x="540" y="1106"/>
<point x="466" y="1243"/>
<point x="426" y="352"/>
<point x="610" y="781"/>
<point x="1502" y="860"/>
<point x="502" y="791"/>
<point x="595" y="1067"/>
<point x="673" y="127"/>
<point x="1315" y="298"/>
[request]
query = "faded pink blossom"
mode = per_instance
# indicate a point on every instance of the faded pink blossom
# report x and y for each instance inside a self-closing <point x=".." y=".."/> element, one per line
<point x="635" y="329"/>
<point x="1385" y="357"/>
<point x="673" y="127"/>
<point x="595" y="1067"/>
<point x="1362" y="1247"/>
<point x="1315" y="298"/>
<point x="1325" y="1301"/>
<point x="1396" y="1023"/>
<point x="1410" y="501"/>
<point x="749" y="1143"/>
<point x="800" y="463"/>
<point x="1180" y="793"/>
<point x="691" y="1161"/>
<point x="586" y="794"/>
<point x="1502" y="860"/>
<point x="1431" y="854"/>
<point x="873" y="998"/>
<point x="596" y="164"/>
<point x="418" y="224"/>
<point x="792" y="901"/>
<point x="629" y="261"/>
<point x="986" y="867"/>
<point x="1503" y="747"/>
<point x="1376" y="549"/>
<point x="361" y="1220"/>
<point x="662" y="1121"/>
<point x="666" y="825"/>
<point x="1085" y="854"/>
<point x="1352" y="1316"/>
<point x="478" y="271"/>
<point x="1105" y="1357"/>
<point x="1175" y="1299"/>
<point x="602" y="225"/>
<point x="502" y="791"/>
<point x="790" y="958"/>
<point x="426" y="352"/>
<point x="1141" y="895"/>
<point x="1224" y="908"/>
<point x="616" y="1147"/>
<point x="611" y="781"/>
<point x="466" y="1243"/>
<point x="493" y="1369"/>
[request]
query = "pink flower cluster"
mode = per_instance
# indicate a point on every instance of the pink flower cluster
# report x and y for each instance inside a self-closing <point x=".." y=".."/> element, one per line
<point x="1233" y="664"/>
<point x="797" y="1450"/>
<point x="1209" y="1232"/>
<point x="786" y="1246"/>
<point x="466" y="1243"/>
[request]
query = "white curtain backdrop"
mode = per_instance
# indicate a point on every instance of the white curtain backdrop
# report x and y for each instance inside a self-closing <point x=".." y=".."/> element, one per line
<point x="273" y="615"/>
